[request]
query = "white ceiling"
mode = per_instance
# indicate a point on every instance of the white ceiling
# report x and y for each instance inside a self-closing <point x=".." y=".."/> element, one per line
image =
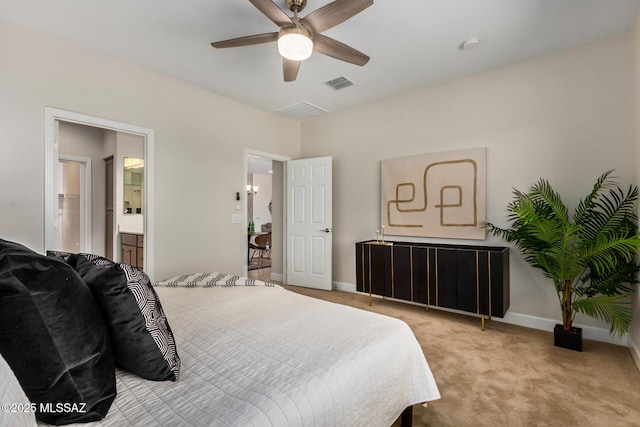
<point x="259" y="165"/>
<point x="412" y="43"/>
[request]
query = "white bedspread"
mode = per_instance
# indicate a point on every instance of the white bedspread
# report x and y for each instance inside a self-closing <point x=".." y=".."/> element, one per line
<point x="265" y="356"/>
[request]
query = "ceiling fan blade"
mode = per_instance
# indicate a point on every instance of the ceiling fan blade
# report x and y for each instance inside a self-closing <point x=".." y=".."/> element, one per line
<point x="335" y="49"/>
<point x="290" y="69"/>
<point x="272" y="11"/>
<point x="334" y="13"/>
<point x="246" y="41"/>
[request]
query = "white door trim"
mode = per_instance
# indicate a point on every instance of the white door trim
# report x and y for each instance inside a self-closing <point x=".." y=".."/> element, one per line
<point x="85" y="199"/>
<point x="51" y="118"/>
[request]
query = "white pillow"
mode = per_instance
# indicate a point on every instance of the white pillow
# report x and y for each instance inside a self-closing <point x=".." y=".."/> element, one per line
<point x="15" y="410"/>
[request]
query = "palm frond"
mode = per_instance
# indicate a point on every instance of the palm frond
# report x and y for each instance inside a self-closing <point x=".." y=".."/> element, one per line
<point x="606" y="251"/>
<point x="585" y="207"/>
<point x="610" y="212"/>
<point x="566" y="257"/>
<point x="545" y="198"/>
<point x="615" y="310"/>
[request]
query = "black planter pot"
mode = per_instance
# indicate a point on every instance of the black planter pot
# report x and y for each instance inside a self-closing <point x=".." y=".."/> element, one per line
<point x="571" y="339"/>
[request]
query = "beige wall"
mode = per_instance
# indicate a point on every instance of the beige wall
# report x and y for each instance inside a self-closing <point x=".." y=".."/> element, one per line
<point x="565" y="117"/>
<point x="199" y="152"/>
<point x="635" y="327"/>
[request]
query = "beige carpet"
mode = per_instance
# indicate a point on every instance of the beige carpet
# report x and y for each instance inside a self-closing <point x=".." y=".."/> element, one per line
<point x="510" y="375"/>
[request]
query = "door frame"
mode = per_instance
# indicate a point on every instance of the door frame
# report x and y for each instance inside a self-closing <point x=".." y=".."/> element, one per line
<point x="51" y="118"/>
<point x="245" y="247"/>
<point x="85" y="200"/>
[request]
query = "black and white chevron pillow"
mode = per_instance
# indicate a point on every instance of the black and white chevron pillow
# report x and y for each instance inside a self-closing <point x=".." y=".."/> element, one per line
<point x="210" y="280"/>
<point x="141" y="338"/>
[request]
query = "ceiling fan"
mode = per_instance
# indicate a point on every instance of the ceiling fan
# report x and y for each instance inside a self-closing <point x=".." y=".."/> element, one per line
<point x="297" y="38"/>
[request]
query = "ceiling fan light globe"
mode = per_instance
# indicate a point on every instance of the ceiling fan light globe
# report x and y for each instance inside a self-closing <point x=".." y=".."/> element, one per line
<point x="295" y="44"/>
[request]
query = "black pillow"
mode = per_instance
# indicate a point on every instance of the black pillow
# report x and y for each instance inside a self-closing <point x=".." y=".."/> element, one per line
<point x="141" y="338"/>
<point x="54" y="338"/>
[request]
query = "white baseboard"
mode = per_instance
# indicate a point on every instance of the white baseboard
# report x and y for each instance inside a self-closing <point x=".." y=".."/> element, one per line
<point x="535" y="322"/>
<point x="635" y="352"/>
<point x="347" y="287"/>
<point x="542" y="323"/>
<point x="277" y="277"/>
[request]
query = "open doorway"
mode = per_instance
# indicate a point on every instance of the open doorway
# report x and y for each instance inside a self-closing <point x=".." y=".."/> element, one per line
<point x="264" y="216"/>
<point x="108" y="133"/>
<point x="301" y="220"/>
<point x="96" y="224"/>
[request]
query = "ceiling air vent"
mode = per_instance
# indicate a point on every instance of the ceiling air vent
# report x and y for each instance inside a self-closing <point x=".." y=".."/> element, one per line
<point x="302" y="111"/>
<point x="339" y="83"/>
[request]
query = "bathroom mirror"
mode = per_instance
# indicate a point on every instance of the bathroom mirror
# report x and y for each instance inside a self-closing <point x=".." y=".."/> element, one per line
<point x="133" y="188"/>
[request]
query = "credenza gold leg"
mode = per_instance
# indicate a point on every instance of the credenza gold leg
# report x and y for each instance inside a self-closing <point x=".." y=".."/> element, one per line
<point x="482" y="322"/>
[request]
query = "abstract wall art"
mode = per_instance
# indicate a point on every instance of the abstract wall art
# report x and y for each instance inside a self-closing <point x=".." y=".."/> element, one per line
<point x="435" y="195"/>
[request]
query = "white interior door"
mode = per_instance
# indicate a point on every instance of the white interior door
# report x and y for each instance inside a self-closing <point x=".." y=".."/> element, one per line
<point x="309" y="222"/>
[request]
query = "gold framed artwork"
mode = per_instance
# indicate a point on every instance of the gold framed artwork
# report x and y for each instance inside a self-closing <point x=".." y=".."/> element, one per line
<point x="435" y="195"/>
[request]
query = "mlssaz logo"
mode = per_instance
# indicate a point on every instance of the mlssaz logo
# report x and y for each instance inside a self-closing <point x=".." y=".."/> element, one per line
<point x="63" y="407"/>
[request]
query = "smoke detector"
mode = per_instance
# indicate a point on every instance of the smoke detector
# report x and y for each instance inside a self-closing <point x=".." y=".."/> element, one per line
<point x="469" y="44"/>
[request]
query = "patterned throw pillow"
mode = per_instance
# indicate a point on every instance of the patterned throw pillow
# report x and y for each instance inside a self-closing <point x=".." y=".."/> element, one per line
<point x="141" y="338"/>
<point x="61" y="255"/>
<point x="209" y="280"/>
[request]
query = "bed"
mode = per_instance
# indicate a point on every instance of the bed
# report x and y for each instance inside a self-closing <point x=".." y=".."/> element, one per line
<point x="255" y="354"/>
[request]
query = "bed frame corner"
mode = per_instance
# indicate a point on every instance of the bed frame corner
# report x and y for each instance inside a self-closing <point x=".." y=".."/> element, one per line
<point x="406" y="418"/>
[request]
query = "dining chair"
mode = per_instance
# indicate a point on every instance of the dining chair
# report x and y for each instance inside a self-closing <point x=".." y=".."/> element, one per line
<point x="261" y="248"/>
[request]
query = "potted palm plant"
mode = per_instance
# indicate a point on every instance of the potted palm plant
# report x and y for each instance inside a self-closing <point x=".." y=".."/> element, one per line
<point x="588" y="256"/>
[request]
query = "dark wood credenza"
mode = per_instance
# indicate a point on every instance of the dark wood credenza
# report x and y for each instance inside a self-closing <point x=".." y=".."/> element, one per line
<point x="474" y="279"/>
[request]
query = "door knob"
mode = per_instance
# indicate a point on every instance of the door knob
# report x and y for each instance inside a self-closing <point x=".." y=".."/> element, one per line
<point x="328" y="230"/>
